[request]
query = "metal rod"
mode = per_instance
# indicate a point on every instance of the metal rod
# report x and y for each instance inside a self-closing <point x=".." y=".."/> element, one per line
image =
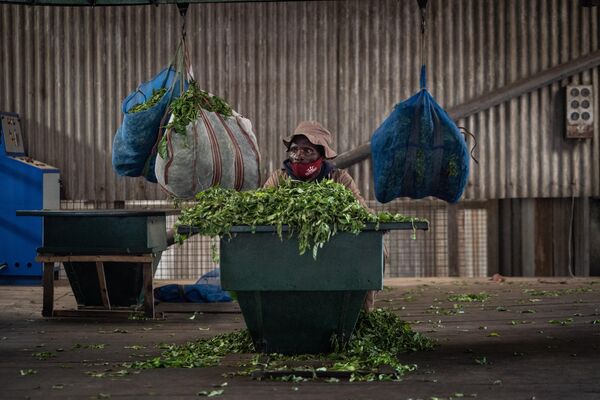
<point x="120" y="3"/>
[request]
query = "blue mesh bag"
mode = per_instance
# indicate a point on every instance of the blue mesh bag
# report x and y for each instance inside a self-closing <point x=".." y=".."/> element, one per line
<point x="134" y="152"/>
<point x="418" y="151"/>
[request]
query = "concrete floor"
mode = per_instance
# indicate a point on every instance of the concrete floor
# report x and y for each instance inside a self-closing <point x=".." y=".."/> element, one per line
<point x="515" y="345"/>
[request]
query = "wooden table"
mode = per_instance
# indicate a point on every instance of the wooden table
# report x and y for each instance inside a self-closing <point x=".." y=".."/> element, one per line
<point x="146" y="260"/>
<point x="122" y="245"/>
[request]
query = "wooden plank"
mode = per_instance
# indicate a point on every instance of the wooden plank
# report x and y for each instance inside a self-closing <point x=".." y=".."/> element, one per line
<point x="594" y="238"/>
<point x="527" y="227"/>
<point x="505" y="243"/>
<point x="94" y="258"/>
<point x="117" y="314"/>
<point x="543" y="237"/>
<point x="102" y="308"/>
<point x="581" y="237"/>
<point x="525" y="85"/>
<point x="462" y="258"/>
<point x="493" y="262"/>
<point x="205" y="308"/>
<point x="562" y="256"/>
<point x="148" y="289"/>
<point x="48" y="283"/>
<point x="102" y="283"/>
<point x="354" y="156"/>
<point x="452" y="240"/>
<point x="516" y="259"/>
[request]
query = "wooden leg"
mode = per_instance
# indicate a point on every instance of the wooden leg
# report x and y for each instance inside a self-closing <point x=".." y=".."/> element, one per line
<point x="48" y="283"/>
<point x="148" y="290"/>
<point x="102" y="282"/>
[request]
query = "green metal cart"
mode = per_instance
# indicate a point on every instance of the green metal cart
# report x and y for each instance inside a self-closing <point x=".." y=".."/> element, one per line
<point x="294" y="304"/>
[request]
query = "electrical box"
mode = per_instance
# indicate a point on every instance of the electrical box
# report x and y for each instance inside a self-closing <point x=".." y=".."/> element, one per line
<point x="27" y="184"/>
<point x="580" y="112"/>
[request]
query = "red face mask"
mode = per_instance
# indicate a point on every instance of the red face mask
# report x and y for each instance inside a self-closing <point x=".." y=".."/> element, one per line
<point x="308" y="170"/>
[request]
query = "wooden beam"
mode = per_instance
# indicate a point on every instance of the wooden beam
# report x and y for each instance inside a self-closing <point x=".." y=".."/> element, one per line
<point x="117" y="314"/>
<point x="148" y="288"/>
<point x="543" y="237"/>
<point x="505" y="259"/>
<point x="562" y="255"/>
<point x="353" y="156"/>
<point x="527" y="228"/>
<point x="526" y="85"/>
<point x="48" y="284"/>
<point x="492" y="99"/>
<point x="493" y="238"/>
<point x="87" y="258"/>
<point x="581" y="237"/>
<point x="453" y="245"/>
<point x="102" y="283"/>
<point x="204" y="308"/>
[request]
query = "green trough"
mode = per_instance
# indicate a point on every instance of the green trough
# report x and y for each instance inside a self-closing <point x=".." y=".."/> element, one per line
<point x="294" y="304"/>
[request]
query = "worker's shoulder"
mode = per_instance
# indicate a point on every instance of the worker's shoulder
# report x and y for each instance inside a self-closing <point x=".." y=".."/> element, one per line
<point x="340" y="176"/>
<point x="275" y="178"/>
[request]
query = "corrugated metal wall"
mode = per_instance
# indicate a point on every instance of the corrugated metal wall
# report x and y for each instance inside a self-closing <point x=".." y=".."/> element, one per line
<point x="345" y="63"/>
<point x="543" y="237"/>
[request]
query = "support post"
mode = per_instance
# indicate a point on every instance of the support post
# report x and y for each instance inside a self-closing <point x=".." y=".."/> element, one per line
<point x="148" y="290"/>
<point x="48" y="282"/>
<point x="453" y="240"/>
<point x="102" y="282"/>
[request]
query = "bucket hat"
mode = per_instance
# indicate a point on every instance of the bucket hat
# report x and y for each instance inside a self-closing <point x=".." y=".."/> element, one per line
<point x="316" y="134"/>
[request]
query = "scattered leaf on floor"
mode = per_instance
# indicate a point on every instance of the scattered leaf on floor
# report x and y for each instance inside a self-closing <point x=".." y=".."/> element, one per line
<point x="212" y="393"/>
<point x="27" y="371"/>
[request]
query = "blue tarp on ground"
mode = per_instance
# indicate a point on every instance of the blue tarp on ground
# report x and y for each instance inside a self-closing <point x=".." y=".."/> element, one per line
<point x="207" y="289"/>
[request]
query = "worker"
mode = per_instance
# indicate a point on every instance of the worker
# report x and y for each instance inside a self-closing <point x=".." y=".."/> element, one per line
<point x="308" y="154"/>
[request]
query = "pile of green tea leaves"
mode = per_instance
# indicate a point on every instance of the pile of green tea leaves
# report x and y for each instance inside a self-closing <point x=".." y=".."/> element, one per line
<point x="199" y="354"/>
<point x="185" y="109"/>
<point x="370" y="354"/>
<point x="313" y="212"/>
<point x="155" y="98"/>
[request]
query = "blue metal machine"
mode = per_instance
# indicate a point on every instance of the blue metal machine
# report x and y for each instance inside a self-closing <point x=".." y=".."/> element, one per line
<point x="27" y="184"/>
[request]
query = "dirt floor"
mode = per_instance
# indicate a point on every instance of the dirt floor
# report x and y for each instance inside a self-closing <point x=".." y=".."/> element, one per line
<point x="531" y="339"/>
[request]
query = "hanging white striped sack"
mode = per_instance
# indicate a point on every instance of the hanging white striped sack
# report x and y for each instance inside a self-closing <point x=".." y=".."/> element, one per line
<point x="215" y="150"/>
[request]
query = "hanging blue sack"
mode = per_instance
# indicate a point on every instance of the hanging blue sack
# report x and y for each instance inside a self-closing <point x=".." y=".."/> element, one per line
<point x="419" y="151"/>
<point x="134" y="152"/>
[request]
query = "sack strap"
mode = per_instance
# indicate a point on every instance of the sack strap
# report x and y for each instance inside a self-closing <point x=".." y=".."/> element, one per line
<point x="181" y="65"/>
